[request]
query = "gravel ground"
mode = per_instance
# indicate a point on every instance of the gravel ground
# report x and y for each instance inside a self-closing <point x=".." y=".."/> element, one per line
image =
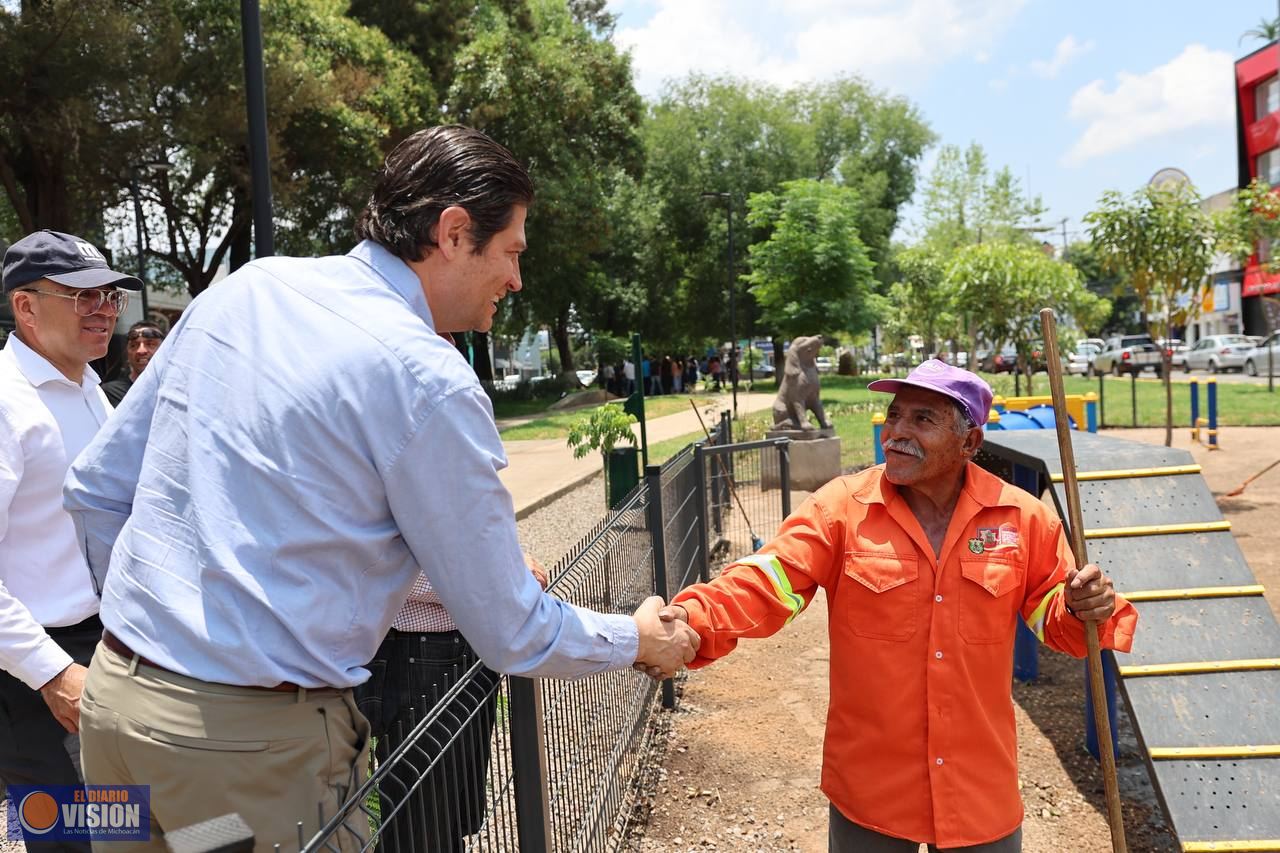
<point x="548" y="533"/>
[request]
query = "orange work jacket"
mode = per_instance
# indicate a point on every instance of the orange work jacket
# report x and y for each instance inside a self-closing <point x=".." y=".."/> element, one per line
<point x="921" y="741"/>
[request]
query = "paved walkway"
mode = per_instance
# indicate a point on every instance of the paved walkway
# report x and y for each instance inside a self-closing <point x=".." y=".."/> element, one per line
<point x="542" y="470"/>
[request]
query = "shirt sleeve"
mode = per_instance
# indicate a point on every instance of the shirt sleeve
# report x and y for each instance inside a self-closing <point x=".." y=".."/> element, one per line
<point x="1045" y="608"/>
<point x="757" y="595"/>
<point x="458" y="520"/>
<point x="99" y="487"/>
<point x="26" y="651"/>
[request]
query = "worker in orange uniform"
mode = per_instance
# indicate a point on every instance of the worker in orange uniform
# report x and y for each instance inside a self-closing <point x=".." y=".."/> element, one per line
<point x="927" y="561"/>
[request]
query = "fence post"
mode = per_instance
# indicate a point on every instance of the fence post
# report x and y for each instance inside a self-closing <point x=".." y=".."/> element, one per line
<point x="1102" y="404"/>
<point x="1195" y="410"/>
<point x="1091" y="411"/>
<point x="529" y="766"/>
<point x="1212" y="390"/>
<point x="1133" y="394"/>
<point x="877" y="425"/>
<point x="784" y="471"/>
<point x="653" y="486"/>
<point x="704" y="555"/>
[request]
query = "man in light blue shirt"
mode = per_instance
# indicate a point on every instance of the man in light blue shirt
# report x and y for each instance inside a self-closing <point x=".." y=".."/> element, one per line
<point x="299" y="448"/>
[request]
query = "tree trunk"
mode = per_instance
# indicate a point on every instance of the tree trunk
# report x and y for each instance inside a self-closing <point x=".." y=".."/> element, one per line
<point x="563" y="346"/>
<point x="480" y="360"/>
<point x="779" y="361"/>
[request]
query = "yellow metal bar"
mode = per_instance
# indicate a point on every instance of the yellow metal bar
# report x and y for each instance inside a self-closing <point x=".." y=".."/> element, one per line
<point x="1166" y="753"/>
<point x="1194" y="592"/>
<point x="1130" y="473"/>
<point x="1157" y="529"/>
<point x="1261" y="845"/>
<point x="1248" y="665"/>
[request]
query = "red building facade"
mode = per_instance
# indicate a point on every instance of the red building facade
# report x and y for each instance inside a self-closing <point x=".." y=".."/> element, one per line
<point x="1258" y="144"/>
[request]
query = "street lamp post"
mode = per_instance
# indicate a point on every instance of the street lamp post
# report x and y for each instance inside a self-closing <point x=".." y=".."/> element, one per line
<point x="138" y="236"/>
<point x="733" y="301"/>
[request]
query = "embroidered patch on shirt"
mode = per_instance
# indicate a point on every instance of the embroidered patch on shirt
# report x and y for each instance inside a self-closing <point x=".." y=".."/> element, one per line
<point x="995" y="538"/>
<point x="975" y="545"/>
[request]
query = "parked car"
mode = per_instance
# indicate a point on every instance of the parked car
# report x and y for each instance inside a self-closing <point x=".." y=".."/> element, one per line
<point x="1264" y="356"/>
<point x="1219" y="352"/>
<point x="1006" y="360"/>
<point x="1127" y="354"/>
<point x="1079" y="359"/>
<point x="824" y="364"/>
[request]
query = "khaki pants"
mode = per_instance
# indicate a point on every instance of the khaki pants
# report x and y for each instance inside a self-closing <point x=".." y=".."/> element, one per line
<point x="208" y="750"/>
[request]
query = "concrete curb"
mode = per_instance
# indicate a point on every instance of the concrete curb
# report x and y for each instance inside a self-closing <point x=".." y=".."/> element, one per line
<point x="523" y="512"/>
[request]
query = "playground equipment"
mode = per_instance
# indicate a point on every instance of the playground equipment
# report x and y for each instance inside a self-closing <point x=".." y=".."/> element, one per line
<point x="1210" y="424"/>
<point x="1202" y="683"/>
<point x="1017" y="413"/>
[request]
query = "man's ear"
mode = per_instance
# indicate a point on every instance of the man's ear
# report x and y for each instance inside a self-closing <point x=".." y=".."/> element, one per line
<point x="453" y="232"/>
<point x="972" y="441"/>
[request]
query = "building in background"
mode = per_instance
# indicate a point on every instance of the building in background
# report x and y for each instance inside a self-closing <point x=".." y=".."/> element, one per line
<point x="1258" y="152"/>
<point x="1220" y="312"/>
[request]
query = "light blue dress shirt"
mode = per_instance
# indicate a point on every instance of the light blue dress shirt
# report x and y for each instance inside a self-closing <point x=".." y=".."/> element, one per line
<point x="300" y="446"/>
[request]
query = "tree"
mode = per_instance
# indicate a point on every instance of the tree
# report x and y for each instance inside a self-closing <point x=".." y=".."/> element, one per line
<point x="722" y="135"/>
<point x="115" y="88"/>
<point x="812" y="274"/>
<point x="562" y="99"/>
<point x="1267" y="31"/>
<point x="1125" y="308"/>
<point x="1164" y="244"/>
<point x="1004" y="287"/>
<point x="920" y="297"/>
<point x="964" y="203"/>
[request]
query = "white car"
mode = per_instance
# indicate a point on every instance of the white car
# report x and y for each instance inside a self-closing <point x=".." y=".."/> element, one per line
<point x="824" y="364"/>
<point x="1259" y="360"/>
<point x="1078" y="361"/>
<point x="1218" y="352"/>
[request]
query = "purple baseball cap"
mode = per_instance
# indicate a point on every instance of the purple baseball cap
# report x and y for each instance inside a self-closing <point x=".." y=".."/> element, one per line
<point x="967" y="389"/>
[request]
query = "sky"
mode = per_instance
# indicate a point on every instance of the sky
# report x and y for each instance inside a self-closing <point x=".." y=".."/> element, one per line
<point x="1075" y="96"/>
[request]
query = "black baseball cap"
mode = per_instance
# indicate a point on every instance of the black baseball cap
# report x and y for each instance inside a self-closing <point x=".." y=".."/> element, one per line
<point x="63" y="258"/>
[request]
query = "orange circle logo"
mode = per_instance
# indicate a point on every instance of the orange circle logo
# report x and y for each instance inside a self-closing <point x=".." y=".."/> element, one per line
<point x="38" y="812"/>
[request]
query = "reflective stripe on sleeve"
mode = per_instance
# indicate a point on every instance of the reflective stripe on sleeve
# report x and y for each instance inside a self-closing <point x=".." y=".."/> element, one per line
<point x="1036" y="620"/>
<point x="771" y="567"/>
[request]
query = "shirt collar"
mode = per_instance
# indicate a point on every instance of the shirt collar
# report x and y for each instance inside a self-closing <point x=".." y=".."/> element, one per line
<point x="397" y="273"/>
<point x="38" y="370"/>
<point x="982" y="487"/>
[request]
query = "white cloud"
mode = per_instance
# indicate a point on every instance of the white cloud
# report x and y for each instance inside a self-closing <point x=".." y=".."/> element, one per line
<point x="891" y="42"/>
<point x="982" y="57"/>
<point x="1191" y="90"/>
<point x="1067" y="50"/>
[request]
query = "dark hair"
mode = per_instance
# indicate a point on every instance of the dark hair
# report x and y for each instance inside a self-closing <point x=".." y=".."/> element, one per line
<point x="434" y="169"/>
<point x="143" y="324"/>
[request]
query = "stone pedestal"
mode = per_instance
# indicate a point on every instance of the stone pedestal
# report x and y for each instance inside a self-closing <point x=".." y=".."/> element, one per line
<point x="814" y="459"/>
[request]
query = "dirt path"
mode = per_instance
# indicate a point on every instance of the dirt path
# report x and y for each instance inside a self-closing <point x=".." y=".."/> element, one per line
<point x="743" y="755"/>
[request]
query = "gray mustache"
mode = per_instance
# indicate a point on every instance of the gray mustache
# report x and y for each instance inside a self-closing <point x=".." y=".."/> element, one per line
<point x="903" y="446"/>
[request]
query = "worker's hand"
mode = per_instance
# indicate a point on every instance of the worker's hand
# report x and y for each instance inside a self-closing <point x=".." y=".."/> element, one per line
<point x="665" y="646"/>
<point x="62" y="694"/>
<point x="1089" y="594"/>
<point x="539" y="571"/>
<point x="673" y="612"/>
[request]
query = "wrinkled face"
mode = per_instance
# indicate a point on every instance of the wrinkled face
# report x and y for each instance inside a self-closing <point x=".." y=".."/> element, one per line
<point x="486" y="278"/>
<point x="58" y="333"/>
<point x="920" y="439"/>
<point x="139" y="348"/>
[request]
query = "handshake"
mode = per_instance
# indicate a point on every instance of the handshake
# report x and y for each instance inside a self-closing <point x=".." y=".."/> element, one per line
<point x="667" y="642"/>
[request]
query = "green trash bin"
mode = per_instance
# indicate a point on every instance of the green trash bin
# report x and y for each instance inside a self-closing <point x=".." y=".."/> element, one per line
<point x="622" y="473"/>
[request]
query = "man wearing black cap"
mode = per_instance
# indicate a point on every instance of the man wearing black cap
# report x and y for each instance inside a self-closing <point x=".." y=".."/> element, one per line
<point x="141" y="342"/>
<point x="65" y="302"/>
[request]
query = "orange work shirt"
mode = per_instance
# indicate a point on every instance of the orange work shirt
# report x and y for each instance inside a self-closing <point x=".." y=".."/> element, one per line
<point x="921" y="741"/>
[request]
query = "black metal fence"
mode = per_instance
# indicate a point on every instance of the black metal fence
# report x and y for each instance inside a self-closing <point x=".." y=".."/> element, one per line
<point x="503" y="763"/>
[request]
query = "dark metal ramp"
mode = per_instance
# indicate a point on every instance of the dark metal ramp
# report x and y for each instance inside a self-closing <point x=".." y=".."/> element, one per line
<point x="1203" y="680"/>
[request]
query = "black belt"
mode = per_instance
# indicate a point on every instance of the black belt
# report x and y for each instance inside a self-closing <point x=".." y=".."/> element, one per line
<point x="93" y="623"/>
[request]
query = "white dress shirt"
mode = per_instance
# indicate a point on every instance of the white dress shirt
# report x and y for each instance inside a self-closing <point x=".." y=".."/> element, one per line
<point x="300" y="447"/>
<point x="45" y="421"/>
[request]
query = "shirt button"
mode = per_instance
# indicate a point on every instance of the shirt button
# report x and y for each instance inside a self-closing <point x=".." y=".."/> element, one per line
<point x="938" y="598"/>
<point x="938" y="655"/>
<point x="939" y="762"/>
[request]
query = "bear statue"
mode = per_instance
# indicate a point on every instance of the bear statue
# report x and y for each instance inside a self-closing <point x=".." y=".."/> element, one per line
<point x="798" y="394"/>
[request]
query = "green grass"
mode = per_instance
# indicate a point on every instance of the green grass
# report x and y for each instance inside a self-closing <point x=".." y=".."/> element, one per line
<point x="556" y="424"/>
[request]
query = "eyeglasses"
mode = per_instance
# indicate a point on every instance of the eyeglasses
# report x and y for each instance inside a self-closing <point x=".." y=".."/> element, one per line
<point x="90" y="302"/>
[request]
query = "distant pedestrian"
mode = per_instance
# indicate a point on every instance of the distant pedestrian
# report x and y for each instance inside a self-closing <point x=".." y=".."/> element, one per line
<point x="141" y="342"/>
<point x="713" y="367"/>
